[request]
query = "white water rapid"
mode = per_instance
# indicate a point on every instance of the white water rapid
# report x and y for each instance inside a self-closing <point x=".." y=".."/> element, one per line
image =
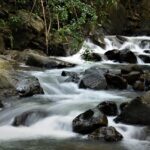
<point x="64" y="100"/>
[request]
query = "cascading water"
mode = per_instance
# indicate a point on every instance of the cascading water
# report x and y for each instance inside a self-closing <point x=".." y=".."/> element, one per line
<point x="64" y="101"/>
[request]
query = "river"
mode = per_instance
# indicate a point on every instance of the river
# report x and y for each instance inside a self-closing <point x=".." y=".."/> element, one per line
<point x="64" y="101"/>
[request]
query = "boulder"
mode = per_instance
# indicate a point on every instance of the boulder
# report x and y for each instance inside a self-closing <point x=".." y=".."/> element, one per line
<point x="1" y="104"/>
<point x="108" y="134"/>
<point x="72" y="76"/>
<point x="132" y="77"/>
<point x="139" y="86"/>
<point x="113" y="55"/>
<point x="131" y="68"/>
<point x="108" y="108"/>
<point x="28" y="86"/>
<point x="89" y="121"/>
<point x="93" y="81"/>
<point x="123" y="105"/>
<point x="147" y="51"/>
<point x="137" y="111"/>
<point x="98" y="40"/>
<point x="28" y="118"/>
<point x="37" y="60"/>
<point x="91" y="56"/>
<point x="145" y="58"/>
<point x="115" y="81"/>
<point x="127" y="56"/>
<point x="121" y="39"/>
<point x="145" y="44"/>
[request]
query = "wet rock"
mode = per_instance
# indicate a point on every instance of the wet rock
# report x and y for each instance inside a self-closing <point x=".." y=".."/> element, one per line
<point x="145" y="58"/>
<point x="1" y="104"/>
<point x="123" y="105"/>
<point x="93" y="81"/>
<point x="137" y="111"/>
<point x="108" y="134"/>
<point x="89" y="121"/>
<point x="108" y="108"/>
<point x="98" y="40"/>
<point x="28" y="86"/>
<point x="36" y="60"/>
<point x="145" y="44"/>
<point x="132" y="77"/>
<point x="131" y="68"/>
<point x="91" y="56"/>
<point x="127" y="56"/>
<point x="121" y="39"/>
<point x="72" y="76"/>
<point x="139" y="86"/>
<point x="113" y="55"/>
<point x="28" y="118"/>
<point x="147" y="51"/>
<point x="115" y="81"/>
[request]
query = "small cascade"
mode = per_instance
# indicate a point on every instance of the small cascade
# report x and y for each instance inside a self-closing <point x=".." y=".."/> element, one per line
<point x="64" y="100"/>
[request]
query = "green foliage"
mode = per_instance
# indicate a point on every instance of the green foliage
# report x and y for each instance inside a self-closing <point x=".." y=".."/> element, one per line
<point x="2" y="23"/>
<point x="87" y="54"/>
<point x="15" y="22"/>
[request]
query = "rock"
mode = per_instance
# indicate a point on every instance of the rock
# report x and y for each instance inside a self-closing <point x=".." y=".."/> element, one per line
<point x="108" y="134"/>
<point x="145" y="58"/>
<point x="137" y="111"/>
<point x="33" y="22"/>
<point x="1" y="104"/>
<point x="98" y="40"/>
<point x="127" y="56"/>
<point x="108" y="108"/>
<point x="91" y="56"/>
<point x="89" y="121"/>
<point x="121" y="39"/>
<point x="139" y="86"/>
<point x="36" y="60"/>
<point x="113" y="55"/>
<point x="2" y="43"/>
<point x="132" y="77"/>
<point x="115" y="81"/>
<point x="145" y="44"/>
<point x="129" y="68"/>
<point x="72" y="76"/>
<point x="28" y="118"/>
<point x="93" y="81"/>
<point x="28" y="86"/>
<point x="123" y="105"/>
<point x="147" y="51"/>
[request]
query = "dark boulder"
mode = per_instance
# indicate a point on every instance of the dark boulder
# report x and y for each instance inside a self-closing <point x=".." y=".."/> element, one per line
<point x="72" y="76"/>
<point x="131" y="68"/>
<point x="28" y="118"/>
<point x="139" y="86"/>
<point x="123" y="105"/>
<point x="132" y="77"/>
<point x="113" y="55"/>
<point x="28" y="86"/>
<point x="89" y="121"/>
<point x="147" y="51"/>
<point x="91" y="56"/>
<point x="127" y="56"/>
<point x="36" y="60"/>
<point x="137" y="111"/>
<point x="108" y="134"/>
<point x="145" y="58"/>
<point x="108" y="108"/>
<point x="93" y="81"/>
<point x="1" y="104"/>
<point x="115" y="81"/>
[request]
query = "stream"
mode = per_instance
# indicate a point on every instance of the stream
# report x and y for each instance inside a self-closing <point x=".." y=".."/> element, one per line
<point x="64" y="101"/>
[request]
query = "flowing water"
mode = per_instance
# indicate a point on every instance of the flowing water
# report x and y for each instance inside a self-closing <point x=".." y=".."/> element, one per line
<point x="64" y="101"/>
